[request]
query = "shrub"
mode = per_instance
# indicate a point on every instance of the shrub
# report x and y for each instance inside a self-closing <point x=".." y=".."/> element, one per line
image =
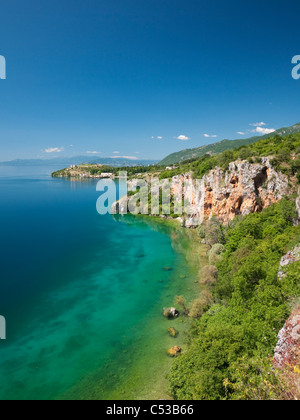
<point x="197" y="309"/>
<point x="214" y="232"/>
<point x="217" y="249"/>
<point x="182" y="303"/>
<point x="201" y="232"/>
<point x="201" y="305"/>
<point x="208" y="275"/>
<point x="215" y="253"/>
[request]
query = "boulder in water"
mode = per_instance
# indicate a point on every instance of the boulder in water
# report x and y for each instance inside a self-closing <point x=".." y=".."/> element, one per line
<point x="172" y="332"/>
<point x="174" y="351"/>
<point x="171" y="313"/>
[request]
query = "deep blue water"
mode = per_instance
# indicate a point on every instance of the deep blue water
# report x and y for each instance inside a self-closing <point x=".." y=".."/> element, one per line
<point x="82" y="294"/>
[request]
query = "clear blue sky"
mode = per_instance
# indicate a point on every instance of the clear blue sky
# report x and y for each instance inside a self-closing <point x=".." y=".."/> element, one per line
<point x="108" y="75"/>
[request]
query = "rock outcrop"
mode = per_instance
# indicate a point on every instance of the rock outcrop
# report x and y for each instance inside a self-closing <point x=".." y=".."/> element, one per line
<point x="287" y="351"/>
<point x="244" y="188"/>
<point x="172" y="332"/>
<point x="170" y="313"/>
<point x="290" y="258"/>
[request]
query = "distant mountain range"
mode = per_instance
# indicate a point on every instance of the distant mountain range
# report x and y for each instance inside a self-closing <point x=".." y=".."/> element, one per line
<point x="63" y="162"/>
<point x="178" y="157"/>
<point x="221" y="146"/>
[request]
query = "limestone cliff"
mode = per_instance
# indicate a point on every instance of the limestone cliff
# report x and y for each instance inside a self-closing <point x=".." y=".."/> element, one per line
<point x="244" y="188"/>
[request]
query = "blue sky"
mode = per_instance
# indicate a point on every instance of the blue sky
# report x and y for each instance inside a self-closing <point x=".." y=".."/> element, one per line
<point x="143" y="78"/>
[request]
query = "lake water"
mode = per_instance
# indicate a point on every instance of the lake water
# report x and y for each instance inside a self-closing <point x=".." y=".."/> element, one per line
<point x="83" y="294"/>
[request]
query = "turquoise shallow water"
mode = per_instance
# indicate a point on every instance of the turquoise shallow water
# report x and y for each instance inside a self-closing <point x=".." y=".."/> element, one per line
<point x="83" y="294"/>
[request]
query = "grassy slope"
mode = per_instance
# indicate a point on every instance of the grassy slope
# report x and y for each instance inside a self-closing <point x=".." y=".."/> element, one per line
<point x="284" y="153"/>
<point x="221" y="146"/>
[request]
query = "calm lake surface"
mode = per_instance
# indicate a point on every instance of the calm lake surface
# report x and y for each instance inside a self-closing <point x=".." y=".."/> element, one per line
<point x="83" y="294"/>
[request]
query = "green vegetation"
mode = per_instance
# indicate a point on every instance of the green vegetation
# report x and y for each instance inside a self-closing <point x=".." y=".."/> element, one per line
<point x="244" y="305"/>
<point x="94" y="170"/>
<point x="182" y="303"/>
<point x="201" y="305"/>
<point x="208" y="275"/>
<point x="172" y="332"/>
<point x="285" y="153"/>
<point x="222" y="146"/>
<point x="215" y="254"/>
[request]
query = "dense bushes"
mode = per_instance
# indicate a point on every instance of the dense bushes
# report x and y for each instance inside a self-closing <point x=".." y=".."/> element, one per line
<point x="212" y="231"/>
<point x="201" y="305"/>
<point x="208" y="275"/>
<point x="231" y="343"/>
<point x="215" y="254"/>
<point x="284" y="152"/>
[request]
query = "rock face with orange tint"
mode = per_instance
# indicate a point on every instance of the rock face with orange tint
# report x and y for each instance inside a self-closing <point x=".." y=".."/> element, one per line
<point x="244" y="188"/>
<point x="287" y="351"/>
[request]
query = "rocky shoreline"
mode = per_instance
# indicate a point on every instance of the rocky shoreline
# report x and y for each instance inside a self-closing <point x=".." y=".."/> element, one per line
<point x="243" y="189"/>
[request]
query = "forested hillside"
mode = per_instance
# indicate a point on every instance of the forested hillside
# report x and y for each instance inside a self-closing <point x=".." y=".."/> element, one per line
<point x="284" y="152"/>
<point x="231" y="345"/>
<point x="221" y="146"/>
<point x="244" y="303"/>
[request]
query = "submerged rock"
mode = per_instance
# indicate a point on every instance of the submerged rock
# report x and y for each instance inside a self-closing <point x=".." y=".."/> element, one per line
<point x="174" y="351"/>
<point x="171" y="313"/>
<point x="172" y="332"/>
